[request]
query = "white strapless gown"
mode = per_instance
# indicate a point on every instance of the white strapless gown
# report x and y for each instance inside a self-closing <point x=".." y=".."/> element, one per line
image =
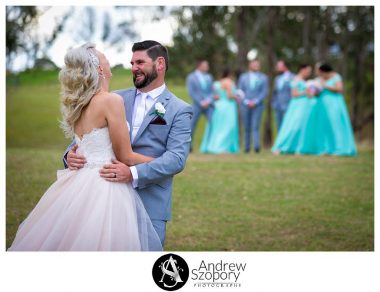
<point x="83" y="212"/>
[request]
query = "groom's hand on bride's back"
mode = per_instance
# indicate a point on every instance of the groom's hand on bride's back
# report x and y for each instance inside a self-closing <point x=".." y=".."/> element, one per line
<point x="75" y="161"/>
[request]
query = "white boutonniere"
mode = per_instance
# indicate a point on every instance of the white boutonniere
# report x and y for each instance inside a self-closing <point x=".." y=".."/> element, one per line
<point x="159" y="110"/>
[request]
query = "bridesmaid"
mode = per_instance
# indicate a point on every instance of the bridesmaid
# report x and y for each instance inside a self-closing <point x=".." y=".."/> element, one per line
<point x="222" y="133"/>
<point x="339" y="137"/>
<point x="292" y="133"/>
<point x="316" y="122"/>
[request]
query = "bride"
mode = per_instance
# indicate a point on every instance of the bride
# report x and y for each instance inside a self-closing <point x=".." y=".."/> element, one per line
<point x="82" y="211"/>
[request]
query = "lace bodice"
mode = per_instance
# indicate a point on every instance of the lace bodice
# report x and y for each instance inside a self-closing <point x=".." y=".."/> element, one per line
<point x="96" y="146"/>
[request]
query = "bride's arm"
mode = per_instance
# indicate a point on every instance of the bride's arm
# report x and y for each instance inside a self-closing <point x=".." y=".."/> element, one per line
<point x="119" y="133"/>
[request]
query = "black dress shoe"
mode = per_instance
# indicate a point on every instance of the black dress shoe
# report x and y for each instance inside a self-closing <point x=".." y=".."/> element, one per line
<point x="257" y="150"/>
<point x="246" y="151"/>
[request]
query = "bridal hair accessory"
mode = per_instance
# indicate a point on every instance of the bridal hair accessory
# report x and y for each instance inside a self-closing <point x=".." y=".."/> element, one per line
<point x="94" y="59"/>
<point x="159" y="109"/>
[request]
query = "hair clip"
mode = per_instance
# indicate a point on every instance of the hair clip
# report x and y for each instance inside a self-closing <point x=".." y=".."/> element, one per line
<point x="94" y="59"/>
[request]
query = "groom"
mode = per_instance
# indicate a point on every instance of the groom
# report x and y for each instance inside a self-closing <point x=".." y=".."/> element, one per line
<point x="160" y="127"/>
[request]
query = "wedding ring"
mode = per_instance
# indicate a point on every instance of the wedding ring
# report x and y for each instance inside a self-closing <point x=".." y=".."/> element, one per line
<point x="114" y="175"/>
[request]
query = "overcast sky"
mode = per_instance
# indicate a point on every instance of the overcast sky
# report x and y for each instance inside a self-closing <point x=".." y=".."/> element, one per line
<point x="161" y="31"/>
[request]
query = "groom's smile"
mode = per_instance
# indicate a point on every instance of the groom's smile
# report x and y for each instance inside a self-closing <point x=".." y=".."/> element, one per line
<point x="138" y="76"/>
<point x="142" y="80"/>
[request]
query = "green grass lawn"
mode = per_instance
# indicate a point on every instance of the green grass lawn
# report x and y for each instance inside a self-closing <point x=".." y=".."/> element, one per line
<point x="256" y="202"/>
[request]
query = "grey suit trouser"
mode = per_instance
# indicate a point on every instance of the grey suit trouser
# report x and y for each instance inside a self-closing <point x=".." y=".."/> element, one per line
<point x="160" y="227"/>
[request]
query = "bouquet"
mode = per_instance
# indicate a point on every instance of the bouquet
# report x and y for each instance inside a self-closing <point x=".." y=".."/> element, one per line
<point x="314" y="87"/>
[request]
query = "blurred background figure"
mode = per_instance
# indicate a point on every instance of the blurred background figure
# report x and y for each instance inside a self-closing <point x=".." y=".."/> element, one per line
<point x="281" y="91"/>
<point x="314" y="85"/>
<point x="199" y="87"/>
<point x="340" y="137"/>
<point x="254" y="84"/>
<point x="222" y="132"/>
<point x="291" y="137"/>
<point x="317" y="124"/>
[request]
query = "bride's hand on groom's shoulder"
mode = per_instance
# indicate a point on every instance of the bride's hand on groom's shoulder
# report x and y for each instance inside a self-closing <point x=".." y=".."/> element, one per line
<point x="75" y="161"/>
<point x="116" y="172"/>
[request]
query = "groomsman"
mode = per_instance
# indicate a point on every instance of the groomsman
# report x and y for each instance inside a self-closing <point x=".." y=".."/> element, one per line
<point x="254" y="84"/>
<point x="199" y="85"/>
<point x="282" y="91"/>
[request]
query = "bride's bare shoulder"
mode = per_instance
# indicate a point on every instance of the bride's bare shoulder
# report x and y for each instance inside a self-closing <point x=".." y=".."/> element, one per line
<point x="110" y="98"/>
<point x="107" y="103"/>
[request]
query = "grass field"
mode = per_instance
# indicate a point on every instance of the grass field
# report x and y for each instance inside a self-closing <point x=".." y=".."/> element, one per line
<point x="242" y="202"/>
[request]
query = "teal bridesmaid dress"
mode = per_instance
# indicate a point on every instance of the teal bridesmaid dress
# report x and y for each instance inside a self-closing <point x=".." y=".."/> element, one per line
<point x="315" y="128"/>
<point x="222" y="133"/>
<point x="291" y="137"/>
<point x="339" y="137"/>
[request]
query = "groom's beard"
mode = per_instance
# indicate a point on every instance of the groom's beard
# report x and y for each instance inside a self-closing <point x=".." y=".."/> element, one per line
<point x="148" y="78"/>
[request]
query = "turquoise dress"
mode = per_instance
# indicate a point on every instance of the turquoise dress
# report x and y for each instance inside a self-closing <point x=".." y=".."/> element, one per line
<point x="222" y="133"/>
<point x="315" y="128"/>
<point x="339" y="137"/>
<point x="291" y="137"/>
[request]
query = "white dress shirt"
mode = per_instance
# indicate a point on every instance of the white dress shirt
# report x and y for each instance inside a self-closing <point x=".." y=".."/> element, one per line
<point x="143" y="103"/>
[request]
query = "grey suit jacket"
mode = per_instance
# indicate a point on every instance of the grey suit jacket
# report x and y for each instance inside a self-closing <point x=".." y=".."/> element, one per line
<point x="282" y="91"/>
<point x="169" y="144"/>
<point x="259" y="92"/>
<point x="195" y="90"/>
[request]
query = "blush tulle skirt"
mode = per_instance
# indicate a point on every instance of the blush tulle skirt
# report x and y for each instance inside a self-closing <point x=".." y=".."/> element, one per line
<point x="83" y="212"/>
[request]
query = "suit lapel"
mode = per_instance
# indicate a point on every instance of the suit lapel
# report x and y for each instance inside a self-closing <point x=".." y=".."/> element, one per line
<point x="164" y="99"/>
<point x="129" y="104"/>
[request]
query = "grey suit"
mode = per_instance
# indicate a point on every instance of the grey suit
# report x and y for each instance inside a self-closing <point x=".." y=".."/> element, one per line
<point x="253" y="91"/>
<point x="281" y="96"/>
<point x="200" y="92"/>
<point x="169" y="144"/>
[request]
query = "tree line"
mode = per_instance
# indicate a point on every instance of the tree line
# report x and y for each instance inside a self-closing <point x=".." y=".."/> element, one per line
<point x="342" y="36"/>
<point x="224" y="35"/>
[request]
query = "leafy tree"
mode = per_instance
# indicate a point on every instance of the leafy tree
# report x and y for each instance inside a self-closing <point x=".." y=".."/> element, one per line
<point x="19" y="22"/>
<point x="340" y="35"/>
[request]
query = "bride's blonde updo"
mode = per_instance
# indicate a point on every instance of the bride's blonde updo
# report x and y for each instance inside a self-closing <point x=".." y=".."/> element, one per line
<point x="80" y="81"/>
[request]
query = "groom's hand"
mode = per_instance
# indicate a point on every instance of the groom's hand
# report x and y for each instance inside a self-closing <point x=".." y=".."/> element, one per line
<point x="116" y="172"/>
<point x="74" y="160"/>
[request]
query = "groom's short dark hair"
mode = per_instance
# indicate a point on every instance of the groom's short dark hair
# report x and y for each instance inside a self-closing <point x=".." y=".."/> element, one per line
<point x="153" y="49"/>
